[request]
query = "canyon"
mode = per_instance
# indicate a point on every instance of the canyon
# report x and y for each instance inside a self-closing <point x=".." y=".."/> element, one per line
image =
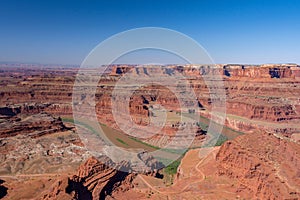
<point x="43" y="156"/>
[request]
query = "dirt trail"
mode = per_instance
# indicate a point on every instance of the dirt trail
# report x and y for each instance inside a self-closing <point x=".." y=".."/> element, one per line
<point x="181" y="185"/>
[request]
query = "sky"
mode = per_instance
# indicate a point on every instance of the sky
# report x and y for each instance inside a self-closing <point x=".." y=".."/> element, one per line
<point x="232" y="31"/>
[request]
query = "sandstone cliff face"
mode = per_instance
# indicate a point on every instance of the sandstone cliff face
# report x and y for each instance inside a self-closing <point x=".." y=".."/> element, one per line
<point x="30" y="86"/>
<point x="262" y="71"/>
<point x="119" y="70"/>
<point x="267" y="112"/>
<point x="33" y="108"/>
<point x="266" y="166"/>
<point x="254" y="92"/>
<point x="250" y="71"/>
<point x="95" y="179"/>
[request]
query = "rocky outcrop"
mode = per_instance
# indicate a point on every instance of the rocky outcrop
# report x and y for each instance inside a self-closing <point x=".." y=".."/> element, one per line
<point x="151" y="165"/>
<point x="262" y="71"/>
<point x="3" y="189"/>
<point x="95" y="179"/>
<point x="120" y="69"/>
<point x="58" y="191"/>
<point x="264" y="165"/>
<point x="34" y="125"/>
<point x="267" y="112"/>
<point x="32" y="108"/>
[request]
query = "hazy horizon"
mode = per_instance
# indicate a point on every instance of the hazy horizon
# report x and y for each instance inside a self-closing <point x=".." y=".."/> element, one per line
<point x="78" y="65"/>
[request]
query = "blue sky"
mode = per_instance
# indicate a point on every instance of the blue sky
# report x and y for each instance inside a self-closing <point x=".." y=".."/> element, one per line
<point x="232" y="31"/>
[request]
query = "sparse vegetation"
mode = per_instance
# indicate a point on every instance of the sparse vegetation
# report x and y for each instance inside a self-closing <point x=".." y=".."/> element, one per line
<point x="172" y="168"/>
<point x="121" y="141"/>
<point x="170" y="171"/>
<point x="216" y="141"/>
<point x="221" y="140"/>
<point x="144" y="143"/>
<point x="176" y="151"/>
<point x="66" y="119"/>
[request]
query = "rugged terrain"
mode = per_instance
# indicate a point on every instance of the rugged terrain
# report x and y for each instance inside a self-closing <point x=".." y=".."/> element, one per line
<point x="253" y="93"/>
<point x="43" y="157"/>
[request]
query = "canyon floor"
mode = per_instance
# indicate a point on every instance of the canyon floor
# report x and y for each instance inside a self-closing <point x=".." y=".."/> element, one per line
<point x="253" y="154"/>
